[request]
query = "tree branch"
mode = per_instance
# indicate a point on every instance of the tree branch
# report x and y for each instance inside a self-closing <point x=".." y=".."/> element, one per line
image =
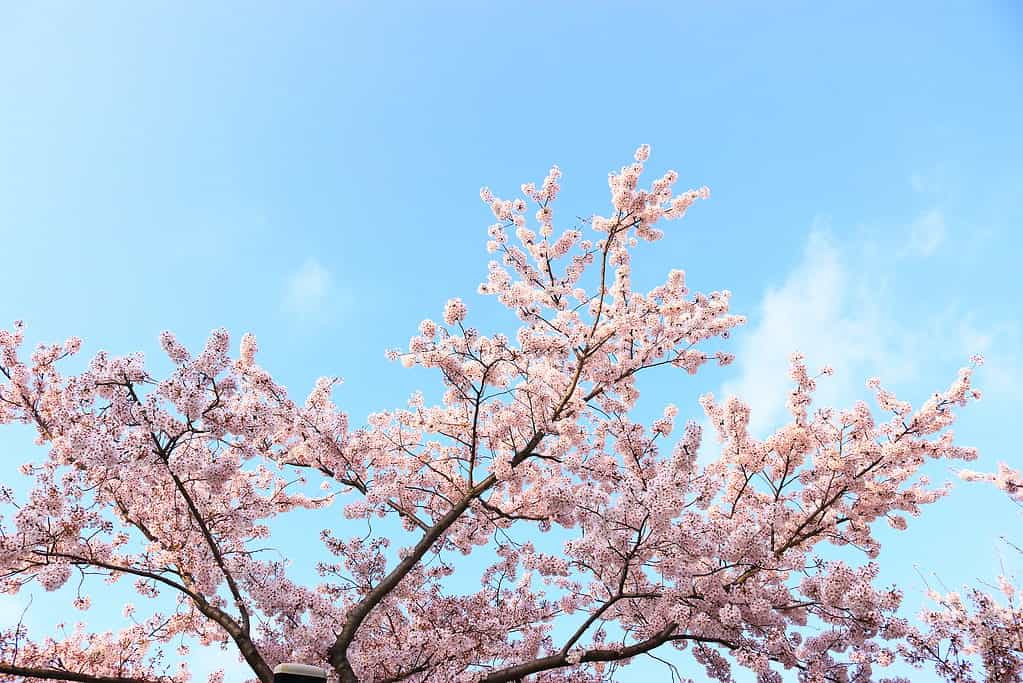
<point x="51" y="674"/>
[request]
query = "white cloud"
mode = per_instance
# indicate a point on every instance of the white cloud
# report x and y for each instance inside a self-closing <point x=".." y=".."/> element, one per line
<point x="308" y="291"/>
<point x="927" y="232"/>
<point x="1000" y="344"/>
<point x="935" y="180"/>
<point x="922" y="183"/>
<point x="839" y="306"/>
<point x="825" y="312"/>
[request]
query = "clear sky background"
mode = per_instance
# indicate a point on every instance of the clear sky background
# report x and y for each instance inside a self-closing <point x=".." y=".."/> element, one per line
<point x="310" y="172"/>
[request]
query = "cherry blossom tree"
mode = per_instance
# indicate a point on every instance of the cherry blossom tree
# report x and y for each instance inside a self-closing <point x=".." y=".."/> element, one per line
<point x="980" y="627"/>
<point x="171" y="484"/>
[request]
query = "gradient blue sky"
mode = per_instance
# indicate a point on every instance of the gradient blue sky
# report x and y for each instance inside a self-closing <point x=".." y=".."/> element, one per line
<point x="309" y="172"/>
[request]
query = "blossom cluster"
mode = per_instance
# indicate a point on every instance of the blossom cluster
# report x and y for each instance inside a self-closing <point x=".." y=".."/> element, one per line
<point x="174" y="483"/>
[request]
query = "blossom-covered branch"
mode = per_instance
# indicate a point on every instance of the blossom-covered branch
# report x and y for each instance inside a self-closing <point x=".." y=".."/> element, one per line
<point x="172" y="482"/>
<point x="982" y="627"/>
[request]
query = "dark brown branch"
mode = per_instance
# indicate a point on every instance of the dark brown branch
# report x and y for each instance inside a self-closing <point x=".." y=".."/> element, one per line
<point x="337" y="655"/>
<point x="46" y="673"/>
<point x="519" y="671"/>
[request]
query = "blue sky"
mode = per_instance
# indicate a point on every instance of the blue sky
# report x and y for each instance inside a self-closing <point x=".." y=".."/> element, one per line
<point x="310" y="173"/>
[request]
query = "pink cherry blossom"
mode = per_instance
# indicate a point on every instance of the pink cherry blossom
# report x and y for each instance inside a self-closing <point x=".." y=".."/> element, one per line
<point x="173" y="482"/>
<point x="983" y="626"/>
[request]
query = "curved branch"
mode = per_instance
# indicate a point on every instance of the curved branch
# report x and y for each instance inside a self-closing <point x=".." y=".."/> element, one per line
<point x="338" y="652"/>
<point x="241" y="637"/>
<point x="519" y="671"/>
<point x="50" y="674"/>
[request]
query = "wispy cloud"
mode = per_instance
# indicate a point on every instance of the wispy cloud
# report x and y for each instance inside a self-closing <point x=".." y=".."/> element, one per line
<point x="1000" y="344"/>
<point x="308" y="291"/>
<point x="823" y="310"/>
<point x="927" y="232"/>
<point x="839" y="306"/>
<point x="932" y="181"/>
